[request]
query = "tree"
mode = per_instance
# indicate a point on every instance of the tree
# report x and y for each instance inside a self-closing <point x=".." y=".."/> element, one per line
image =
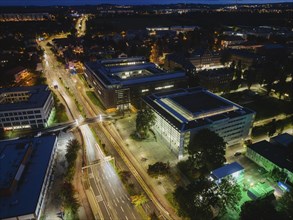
<point x="286" y="203"/>
<point x="262" y="209"/>
<point x="207" y="148"/>
<point x="139" y="200"/>
<point x="273" y="128"/>
<point x="229" y="194"/>
<point x="145" y="119"/>
<point x="250" y="77"/>
<point x="158" y="168"/>
<point x="196" y="200"/>
<point x="71" y="154"/>
<point x="124" y="175"/>
<point x="278" y="174"/>
<point x="69" y="201"/>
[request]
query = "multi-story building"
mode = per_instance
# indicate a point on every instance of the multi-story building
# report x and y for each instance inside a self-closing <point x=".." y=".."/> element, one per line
<point x="183" y="112"/>
<point x="178" y="61"/>
<point x="273" y="154"/>
<point x="25" y="17"/>
<point x="245" y="57"/>
<point x="26" y="168"/>
<point x="25" y="107"/>
<point x="122" y="81"/>
<point x="205" y="59"/>
<point x="216" y="80"/>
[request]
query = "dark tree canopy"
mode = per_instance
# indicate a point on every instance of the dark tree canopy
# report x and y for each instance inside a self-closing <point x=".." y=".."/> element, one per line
<point x="144" y="120"/>
<point x="201" y="197"/>
<point x="260" y="209"/>
<point x="207" y="149"/>
<point x="286" y="204"/>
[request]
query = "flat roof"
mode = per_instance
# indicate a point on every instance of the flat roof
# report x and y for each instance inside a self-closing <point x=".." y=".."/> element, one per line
<point x="25" y="198"/>
<point x="283" y="139"/>
<point x="129" y="71"/>
<point x="275" y="153"/>
<point x="260" y="190"/>
<point x="38" y="97"/>
<point x="227" y="170"/>
<point x="193" y="107"/>
<point x="199" y="102"/>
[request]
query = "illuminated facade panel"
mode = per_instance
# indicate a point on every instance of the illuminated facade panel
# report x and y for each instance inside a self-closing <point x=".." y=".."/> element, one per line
<point x="273" y="154"/>
<point x="183" y="112"/>
<point x="122" y="81"/>
<point x="25" y="107"/>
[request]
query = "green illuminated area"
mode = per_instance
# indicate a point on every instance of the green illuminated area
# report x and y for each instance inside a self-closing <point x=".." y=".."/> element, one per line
<point x="51" y="118"/>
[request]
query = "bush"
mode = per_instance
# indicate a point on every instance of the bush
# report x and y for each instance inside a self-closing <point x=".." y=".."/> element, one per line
<point x="158" y="168"/>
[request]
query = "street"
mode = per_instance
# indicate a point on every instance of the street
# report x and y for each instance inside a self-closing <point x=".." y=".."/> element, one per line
<point x="103" y="188"/>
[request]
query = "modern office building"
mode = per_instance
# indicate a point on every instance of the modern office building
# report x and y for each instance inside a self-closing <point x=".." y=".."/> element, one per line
<point x="122" y="81"/>
<point x="26" y="167"/>
<point x="183" y="112"/>
<point x="25" y="107"/>
<point x="274" y="154"/>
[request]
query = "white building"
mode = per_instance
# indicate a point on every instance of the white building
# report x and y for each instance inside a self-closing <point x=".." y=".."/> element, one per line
<point x="183" y="112"/>
<point x="25" y="107"/>
<point x="25" y="174"/>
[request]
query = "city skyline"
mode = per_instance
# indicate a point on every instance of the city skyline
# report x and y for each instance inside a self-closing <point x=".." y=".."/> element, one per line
<point x="132" y="2"/>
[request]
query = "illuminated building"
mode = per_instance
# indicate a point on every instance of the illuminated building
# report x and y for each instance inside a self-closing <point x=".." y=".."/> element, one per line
<point x="122" y="81"/>
<point x="25" y="107"/>
<point x="273" y="154"/>
<point x="183" y="112"/>
<point x="26" y="168"/>
<point x="234" y="170"/>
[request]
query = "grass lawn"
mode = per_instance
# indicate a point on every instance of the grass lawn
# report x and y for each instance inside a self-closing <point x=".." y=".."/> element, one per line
<point x="94" y="99"/>
<point x="61" y="115"/>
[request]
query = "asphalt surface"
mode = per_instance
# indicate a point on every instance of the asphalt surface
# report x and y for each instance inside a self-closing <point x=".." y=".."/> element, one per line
<point x="112" y="198"/>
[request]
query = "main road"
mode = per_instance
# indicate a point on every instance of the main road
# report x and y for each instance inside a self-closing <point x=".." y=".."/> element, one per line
<point x="108" y="198"/>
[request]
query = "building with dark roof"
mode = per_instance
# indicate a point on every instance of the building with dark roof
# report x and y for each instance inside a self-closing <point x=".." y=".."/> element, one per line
<point x="122" y="81"/>
<point x="179" y="61"/>
<point x="245" y="57"/>
<point x="26" y="167"/>
<point x="274" y="154"/>
<point x="183" y="112"/>
<point x="216" y="80"/>
<point x="205" y="59"/>
<point x="25" y="107"/>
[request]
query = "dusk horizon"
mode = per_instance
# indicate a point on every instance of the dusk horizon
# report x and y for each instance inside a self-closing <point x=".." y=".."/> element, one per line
<point x="134" y="2"/>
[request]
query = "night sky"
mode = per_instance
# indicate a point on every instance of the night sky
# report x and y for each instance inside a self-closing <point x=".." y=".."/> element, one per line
<point x="125" y="2"/>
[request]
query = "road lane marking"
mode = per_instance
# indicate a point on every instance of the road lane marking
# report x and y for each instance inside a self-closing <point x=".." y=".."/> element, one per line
<point x="126" y="217"/>
<point x="122" y="209"/>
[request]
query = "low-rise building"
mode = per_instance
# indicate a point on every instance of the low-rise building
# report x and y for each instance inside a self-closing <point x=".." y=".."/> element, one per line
<point x="183" y="112"/>
<point x="227" y="41"/>
<point x="273" y="154"/>
<point x="122" y="81"/>
<point x="25" y="173"/>
<point x="25" y="107"/>
<point x="234" y="170"/>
